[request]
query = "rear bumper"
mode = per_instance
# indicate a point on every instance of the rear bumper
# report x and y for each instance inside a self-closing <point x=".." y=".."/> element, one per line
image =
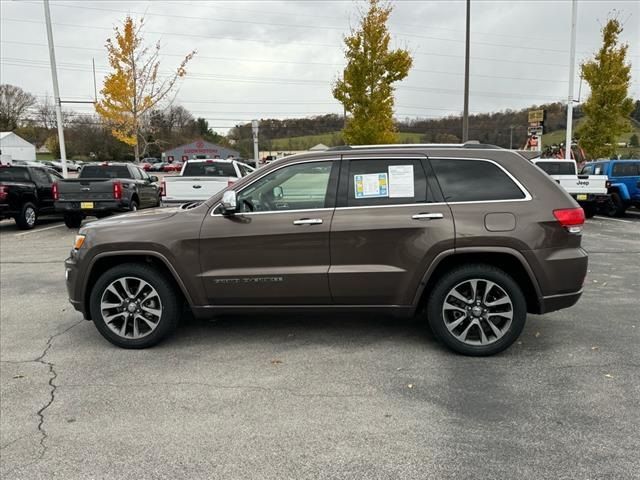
<point x="100" y="206"/>
<point x="552" y="303"/>
<point x="591" y="197"/>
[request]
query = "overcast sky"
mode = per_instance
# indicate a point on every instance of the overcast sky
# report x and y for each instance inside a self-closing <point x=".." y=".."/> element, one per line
<point x="277" y="59"/>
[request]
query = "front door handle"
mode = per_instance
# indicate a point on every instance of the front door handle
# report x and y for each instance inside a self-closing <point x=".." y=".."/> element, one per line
<point x="427" y="216"/>
<point x="308" y="221"/>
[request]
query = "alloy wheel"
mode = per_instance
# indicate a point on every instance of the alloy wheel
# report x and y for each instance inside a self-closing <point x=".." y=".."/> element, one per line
<point x="477" y="312"/>
<point x="131" y="307"/>
<point x="30" y="216"/>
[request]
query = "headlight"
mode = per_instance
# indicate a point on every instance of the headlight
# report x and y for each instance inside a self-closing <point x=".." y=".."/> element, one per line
<point x="79" y="241"/>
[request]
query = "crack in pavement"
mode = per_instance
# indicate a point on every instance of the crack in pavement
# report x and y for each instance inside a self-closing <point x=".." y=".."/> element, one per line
<point x="53" y="387"/>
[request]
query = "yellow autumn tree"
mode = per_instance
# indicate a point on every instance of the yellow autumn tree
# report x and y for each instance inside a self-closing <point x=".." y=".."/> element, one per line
<point x="134" y="86"/>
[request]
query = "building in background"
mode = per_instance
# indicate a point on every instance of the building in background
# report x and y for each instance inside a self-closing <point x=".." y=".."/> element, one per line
<point x="16" y="147"/>
<point x="198" y="149"/>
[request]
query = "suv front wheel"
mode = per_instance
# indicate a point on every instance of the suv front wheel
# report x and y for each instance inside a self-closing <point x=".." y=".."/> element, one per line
<point x="477" y="310"/>
<point x="134" y="305"/>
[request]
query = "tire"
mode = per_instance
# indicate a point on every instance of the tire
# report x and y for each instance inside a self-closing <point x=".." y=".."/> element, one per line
<point x="161" y="298"/>
<point x="589" y="210"/>
<point x="73" y="220"/>
<point x="616" y="206"/>
<point x="471" y="319"/>
<point x="133" y="206"/>
<point x="27" y="217"/>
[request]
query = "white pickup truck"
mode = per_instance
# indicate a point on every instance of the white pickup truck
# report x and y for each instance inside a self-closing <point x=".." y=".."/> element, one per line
<point x="590" y="191"/>
<point x="200" y="179"/>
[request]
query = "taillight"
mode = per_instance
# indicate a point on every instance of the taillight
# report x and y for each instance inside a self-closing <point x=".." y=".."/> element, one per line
<point x="163" y="188"/>
<point x="54" y="191"/>
<point x="4" y="192"/>
<point x="230" y="182"/>
<point x="570" y="218"/>
<point x="117" y="191"/>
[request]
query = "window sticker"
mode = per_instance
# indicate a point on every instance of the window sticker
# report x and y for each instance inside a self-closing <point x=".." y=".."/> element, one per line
<point x="401" y="181"/>
<point x="371" y="185"/>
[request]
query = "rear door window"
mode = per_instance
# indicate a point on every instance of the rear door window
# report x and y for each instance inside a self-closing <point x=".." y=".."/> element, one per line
<point x="14" y="174"/>
<point x="41" y="177"/>
<point x="209" y="169"/>
<point x="558" y="168"/>
<point x="625" y="169"/>
<point x="383" y="181"/>
<point x="105" y="171"/>
<point x="474" y="181"/>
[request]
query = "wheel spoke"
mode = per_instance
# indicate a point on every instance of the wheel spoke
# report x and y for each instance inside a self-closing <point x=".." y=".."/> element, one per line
<point x="452" y="326"/>
<point x="136" y="332"/>
<point x="501" y="301"/>
<point x="450" y="306"/>
<point x="483" y="336"/>
<point x="487" y="289"/>
<point x="123" y="284"/>
<point x="111" y="318"/>
<point x="106" y="305"/>
<point x="496" y="330"/>
<point x="152" y="311"/>
<point x="465" y="332"/>
<point x="141" y="285"/>
<point x="147" y="321"/>
<point x="508" y="315"/>
<point x="474" y="289"/>
<point x="113" y="290"/>
<point x="459" y="296"/>
<point x="123" y="330"/>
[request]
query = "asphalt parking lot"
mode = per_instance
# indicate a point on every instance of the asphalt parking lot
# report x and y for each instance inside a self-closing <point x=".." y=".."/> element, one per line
<point x="304" y="396"/>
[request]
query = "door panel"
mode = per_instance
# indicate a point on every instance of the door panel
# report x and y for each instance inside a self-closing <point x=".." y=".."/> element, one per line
<point x="275" y="250"/>
<point x="380" y="252"/>
<point x="266" y="259"/>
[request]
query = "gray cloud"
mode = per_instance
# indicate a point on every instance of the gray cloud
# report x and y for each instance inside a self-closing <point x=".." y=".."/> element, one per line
<point x="278" y="58"/>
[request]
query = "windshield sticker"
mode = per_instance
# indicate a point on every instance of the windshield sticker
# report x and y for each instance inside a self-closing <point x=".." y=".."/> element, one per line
<point x="401" y="181"/>
<point x="371" y="185"/>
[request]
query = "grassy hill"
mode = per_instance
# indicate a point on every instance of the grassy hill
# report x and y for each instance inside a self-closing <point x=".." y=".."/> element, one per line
<point x="328" y="139"/>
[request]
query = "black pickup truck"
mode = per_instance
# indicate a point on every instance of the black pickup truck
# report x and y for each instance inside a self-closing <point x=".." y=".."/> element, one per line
<point x="105" y="188"/>
<point x="26" y="192"/>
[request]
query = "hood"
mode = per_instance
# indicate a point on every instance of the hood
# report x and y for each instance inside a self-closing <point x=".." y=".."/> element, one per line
<point x="134" y="218"/>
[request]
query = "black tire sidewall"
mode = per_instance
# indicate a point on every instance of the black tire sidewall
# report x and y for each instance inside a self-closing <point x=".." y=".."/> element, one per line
<point x="72" y="220"/>
<point x="501" y="278"/>
<point x="21" y="219"/>
<point x="618" y="208"/>
<point x="132" y="204"/>
<point x="157" y="279"/>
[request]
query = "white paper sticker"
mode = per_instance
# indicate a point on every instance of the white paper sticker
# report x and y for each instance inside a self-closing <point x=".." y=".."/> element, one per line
<point x="401" y="181"/>
<point x="371" y="185"/>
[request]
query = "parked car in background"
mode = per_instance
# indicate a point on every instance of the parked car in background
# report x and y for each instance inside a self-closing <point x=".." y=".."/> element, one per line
<point x="26" y="193"/>
<point x="148" y="162"/>
<point x="201" y="179"/>
<point x="157" y="167"/>
<point x="172" y="167"/>
<point x="624" y="183"/>
<point x="473" y="235"/>
<point x="102" y="189"/>
<point x="590" y="191"/>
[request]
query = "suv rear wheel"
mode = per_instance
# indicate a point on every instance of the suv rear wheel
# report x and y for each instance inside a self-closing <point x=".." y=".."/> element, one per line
<point x="477" y="310"/>
<point x="134" y="306"/>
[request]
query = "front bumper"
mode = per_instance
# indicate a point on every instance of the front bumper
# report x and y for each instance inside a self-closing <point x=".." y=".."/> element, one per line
<point x="71" y="280"/>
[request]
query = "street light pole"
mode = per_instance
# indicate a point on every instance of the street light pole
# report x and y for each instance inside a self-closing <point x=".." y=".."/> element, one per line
<point x="572" y="61"/>
<point x="254" y="129"/>
<point x="56" y="90"/>
<point x="511" y="137"/>
<point x="465" y="114"/>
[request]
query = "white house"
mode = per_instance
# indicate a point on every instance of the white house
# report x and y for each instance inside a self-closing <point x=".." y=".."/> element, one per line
<point x="18" y="148"/>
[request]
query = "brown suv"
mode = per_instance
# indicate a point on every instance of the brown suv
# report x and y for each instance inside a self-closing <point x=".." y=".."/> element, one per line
<point x="473" y="235"/>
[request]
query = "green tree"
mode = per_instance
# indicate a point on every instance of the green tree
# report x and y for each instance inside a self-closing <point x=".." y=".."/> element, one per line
<point x="608" y="107"/>
<point x="633" y="140"/>
<point x="366" y="88"/>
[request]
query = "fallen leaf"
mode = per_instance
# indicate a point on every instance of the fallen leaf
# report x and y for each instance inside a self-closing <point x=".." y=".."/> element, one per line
<point x="537" y="334"/>
<point x="595" y="348"/>
<point x="595" y="281"/>
<point x="18" y="376"/>
<point x="604" y="284"/>
<point x="410" y="385"/>
<point x="608" y="375"/>
<point x="275" y="361"/>
<point x="399" y="368"/>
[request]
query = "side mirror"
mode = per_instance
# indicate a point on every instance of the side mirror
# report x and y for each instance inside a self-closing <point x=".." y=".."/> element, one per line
<point x="229" y="202"/>
<point x="153" y="178"/>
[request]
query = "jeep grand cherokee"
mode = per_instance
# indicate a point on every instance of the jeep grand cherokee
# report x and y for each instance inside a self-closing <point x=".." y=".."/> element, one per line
<point x="470" y="236"/>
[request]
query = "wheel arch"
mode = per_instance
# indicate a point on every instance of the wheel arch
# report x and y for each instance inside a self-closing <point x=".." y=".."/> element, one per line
<point x="507" y="259"/>
<point x="104" y="261"/>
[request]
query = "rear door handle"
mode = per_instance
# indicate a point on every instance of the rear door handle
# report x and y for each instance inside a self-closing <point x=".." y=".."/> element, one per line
<point x="427" y="216"/>
<point x="308" y="221"/>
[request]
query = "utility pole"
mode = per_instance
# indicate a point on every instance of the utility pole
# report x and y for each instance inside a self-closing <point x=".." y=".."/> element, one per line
<point x="465" y="114"/>
<point x="254" y="128"/>
<point x="572" y="61"/>
<point x="56" y="90"/>
<point x="511" y="137"/>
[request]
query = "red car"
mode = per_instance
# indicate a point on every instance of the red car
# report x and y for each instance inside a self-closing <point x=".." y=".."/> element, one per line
<point x="172" y="167"/>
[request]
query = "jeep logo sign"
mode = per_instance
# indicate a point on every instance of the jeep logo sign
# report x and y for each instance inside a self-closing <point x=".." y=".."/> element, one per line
<point x="583" y="182"/>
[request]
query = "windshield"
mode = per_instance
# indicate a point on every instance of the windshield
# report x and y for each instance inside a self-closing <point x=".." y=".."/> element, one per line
<point x="558" y="168"/>
<point x="104" y="171"/>
<point x="209" y="169"/>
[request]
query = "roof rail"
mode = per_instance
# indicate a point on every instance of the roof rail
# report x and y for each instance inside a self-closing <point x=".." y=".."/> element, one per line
<point x="472" y="144"/>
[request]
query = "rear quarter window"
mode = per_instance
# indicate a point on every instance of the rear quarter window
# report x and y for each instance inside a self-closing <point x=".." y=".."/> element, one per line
<point x="625" y="169"/>
<point x="209" y="169"/>
<point x="14" y="174"/>
<point x="474" y="181"/>
<point x="558" y="168"/>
